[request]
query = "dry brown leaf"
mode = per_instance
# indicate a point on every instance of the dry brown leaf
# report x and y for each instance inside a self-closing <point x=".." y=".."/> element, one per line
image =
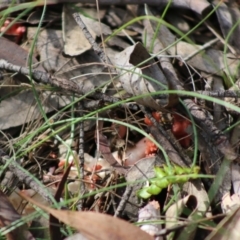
<point x="96" y="225"/>
<point x="22" y="108"/>
<point x="209" y="60"/>
<point x="75" y="42"/>
<point x="9" y="215"/>
<point x="15" y="54"/>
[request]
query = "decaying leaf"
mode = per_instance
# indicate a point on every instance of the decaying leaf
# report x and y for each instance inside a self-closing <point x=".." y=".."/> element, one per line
<point x="9" y="215"/>
<point x="85" y="69"/>
<point x="176" y="209"/>
<point x="228" y="228"/>
<point x="209" y="60"/>
<point x="75" y="43"/>
<point x="96" y="225"/>
<point x="151" y="212"/>
<point x="22" y="108"/>
<point x="15" y="54"/>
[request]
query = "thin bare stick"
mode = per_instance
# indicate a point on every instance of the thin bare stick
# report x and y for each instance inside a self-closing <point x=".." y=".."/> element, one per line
<point x="25" y="178"/>
<point x="81" y="158"/>
<point x="42" y="77"/>
<point x="91" y="40"/>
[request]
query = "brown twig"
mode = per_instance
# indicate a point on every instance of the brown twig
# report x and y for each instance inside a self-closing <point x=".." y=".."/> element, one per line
<point x="81" y="157"/>
<point x="42" y="77"/>
<point x="91" y="40"/>
<point x="213" y="134"/>
<point x="25" y="177"/>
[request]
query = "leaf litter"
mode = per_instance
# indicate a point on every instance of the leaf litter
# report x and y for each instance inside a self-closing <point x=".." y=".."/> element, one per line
<point x="113" y="115"/>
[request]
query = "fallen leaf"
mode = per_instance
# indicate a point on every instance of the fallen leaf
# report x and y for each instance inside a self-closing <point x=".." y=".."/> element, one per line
<point x="8" y="215"/>
<point x="135" y="76"/>
<point x="96" y="225"/>
<point x="228" y="228"/>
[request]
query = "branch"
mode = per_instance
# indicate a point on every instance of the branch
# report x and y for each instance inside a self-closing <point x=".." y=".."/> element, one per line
<point x="42" y="77"/>
<point x="24" y="177"/>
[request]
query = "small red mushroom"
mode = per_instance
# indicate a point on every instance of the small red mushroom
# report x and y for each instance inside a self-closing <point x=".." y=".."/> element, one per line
<point x="151" y="148"/>
<point x="179" y="127"/>
<point x="155" y="115"/>
<point x="16" y="30"/>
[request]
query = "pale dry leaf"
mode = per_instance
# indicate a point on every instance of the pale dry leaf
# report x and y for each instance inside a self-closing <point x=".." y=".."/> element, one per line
<point x="198" y="6"/>
<point x="203" y="209"/>
<point x="134" y="74"/>
<point x="151" y="212"/>
<point x="9" y="215"/>
<point x="175" y="210"/>
<point x="187" y="204"/>
<point x="228" y="228"/>
<point x="228" y="15"/>
<point x="224" y="19"/>
<point x="76" y="236"/>
<point x="209" y="60"/>
<point x="196" y="188"/>
<point x="229" y="202"/>
<point x="235" y="177"/>
<point x="96" y="225"/>
<point x="75" y="42"/>
<point x="22" y="108"/>
<point x="235" y="35"/>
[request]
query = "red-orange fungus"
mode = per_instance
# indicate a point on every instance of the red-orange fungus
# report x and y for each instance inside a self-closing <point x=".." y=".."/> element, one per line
<point x="156" y="115"/>
<point x="179" y="127"/>
<point x="151" y="148"/>
<point x="16" y="30"/>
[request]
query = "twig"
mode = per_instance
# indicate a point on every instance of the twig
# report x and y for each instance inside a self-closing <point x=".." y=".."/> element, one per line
<point x="221" y="93"/>
<point x="42" y="77"/>
<point x="62" y="83"/>
<point x="9" y="182"/>
<point x="123" y="201"/>
<point x="24" y="177"/>
<point x="212" y="132"/>
<point x="91" y="40"/>
<point x="81" y="158"/>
